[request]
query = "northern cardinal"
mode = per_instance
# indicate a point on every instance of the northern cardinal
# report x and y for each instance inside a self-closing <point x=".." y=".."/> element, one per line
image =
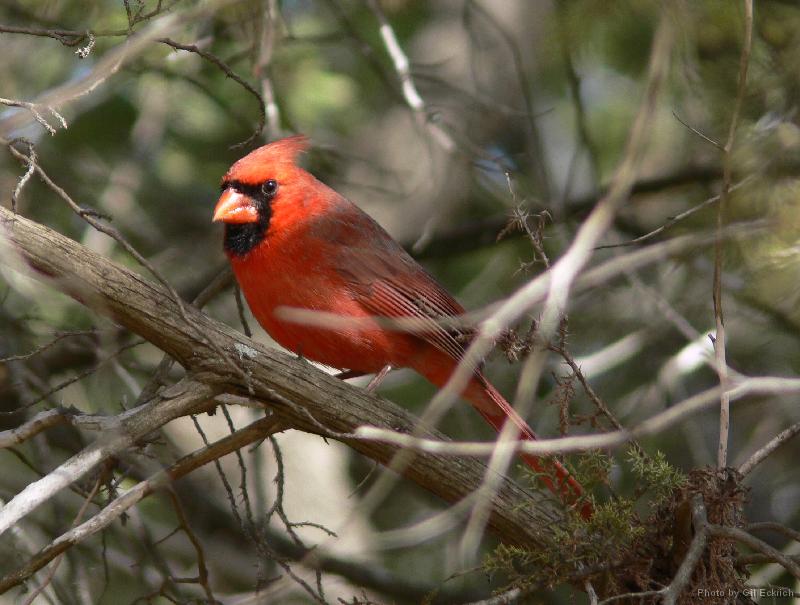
<point x="293" y="242"/>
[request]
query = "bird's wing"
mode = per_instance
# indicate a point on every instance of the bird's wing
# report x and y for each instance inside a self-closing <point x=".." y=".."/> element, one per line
<point x="389" y="283"/>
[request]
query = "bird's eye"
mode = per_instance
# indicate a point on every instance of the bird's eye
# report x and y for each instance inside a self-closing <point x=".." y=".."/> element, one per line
<point x="269" y="188"/>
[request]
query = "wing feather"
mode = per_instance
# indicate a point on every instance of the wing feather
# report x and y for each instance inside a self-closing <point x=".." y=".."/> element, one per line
<point x="387" y="282"/>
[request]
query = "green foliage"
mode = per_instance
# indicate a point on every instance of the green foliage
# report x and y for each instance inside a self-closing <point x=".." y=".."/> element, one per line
<point x="658" y="479"/>
<point x="609" y="536"/>
<point x="613" y="535"/>
<point x="593" y="468"/>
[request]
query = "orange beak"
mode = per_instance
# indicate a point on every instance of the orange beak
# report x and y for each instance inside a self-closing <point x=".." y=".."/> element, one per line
<point x="235" y="207"/>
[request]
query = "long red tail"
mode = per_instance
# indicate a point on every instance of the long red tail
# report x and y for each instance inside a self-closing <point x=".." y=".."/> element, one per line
<point x="553" y="474"/>
<point x="496" y="410"/>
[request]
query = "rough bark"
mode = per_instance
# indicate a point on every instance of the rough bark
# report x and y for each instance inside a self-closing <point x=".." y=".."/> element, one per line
<point x="302" y="396"/>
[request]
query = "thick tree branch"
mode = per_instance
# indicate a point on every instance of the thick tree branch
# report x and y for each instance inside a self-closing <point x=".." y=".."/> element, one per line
<point x="303" y="397"/>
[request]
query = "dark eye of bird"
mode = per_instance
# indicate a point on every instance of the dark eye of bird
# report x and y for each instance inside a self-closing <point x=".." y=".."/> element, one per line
<point x="270" y="188"/>
<point x="240" y="239"/>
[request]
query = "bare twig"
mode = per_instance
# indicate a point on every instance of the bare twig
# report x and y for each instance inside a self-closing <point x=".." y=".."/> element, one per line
<point x="131" y="427"/>
<point x="734" y="533"/>
<point x="58" y="337"/>
<point x="677" y="218"/>
<point x="109" y="64"/>
<point x="562" y="276"/>
<point x="41" y="422"/>
<point x="253" y="432"/>
<point x="790" y="533"/>
<point x="565" y="445"/>
<point x="215" y="60"/>
<point x="57" y="562"/>
<point x="183" y="523"/>
<point x="773" y="444"/>
<point x="35" y="108"/>
<point x="727" y="168"/>
<point x="402" y="68"/>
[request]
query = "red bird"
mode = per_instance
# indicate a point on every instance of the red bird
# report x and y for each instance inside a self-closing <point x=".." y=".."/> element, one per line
<point x="293" y="242"/>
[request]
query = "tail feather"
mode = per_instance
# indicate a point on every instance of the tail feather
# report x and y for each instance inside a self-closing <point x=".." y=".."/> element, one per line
<point x="551" y="472"/>
<point x="496" y="410"/>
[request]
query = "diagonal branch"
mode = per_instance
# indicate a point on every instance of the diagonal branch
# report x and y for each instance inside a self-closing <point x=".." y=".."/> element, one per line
<point x="130" y="427"/>
<point x="303" y="397"/>
<point x="253" y="432"/>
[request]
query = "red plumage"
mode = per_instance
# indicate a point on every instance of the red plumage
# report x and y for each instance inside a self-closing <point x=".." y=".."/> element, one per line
<point x="304" y="246"/>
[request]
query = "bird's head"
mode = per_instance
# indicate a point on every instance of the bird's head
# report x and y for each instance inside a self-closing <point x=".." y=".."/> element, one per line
<point x="252" y="186"/>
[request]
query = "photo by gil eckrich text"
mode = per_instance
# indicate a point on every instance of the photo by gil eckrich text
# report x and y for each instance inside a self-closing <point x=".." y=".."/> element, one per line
<point x="754" y="592"/>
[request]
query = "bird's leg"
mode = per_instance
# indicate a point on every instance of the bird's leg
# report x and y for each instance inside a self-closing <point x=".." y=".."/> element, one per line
<point x="378" y="379"/>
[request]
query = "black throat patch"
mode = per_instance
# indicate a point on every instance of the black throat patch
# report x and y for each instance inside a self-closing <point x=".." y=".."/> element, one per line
<point x="240" y="239"/>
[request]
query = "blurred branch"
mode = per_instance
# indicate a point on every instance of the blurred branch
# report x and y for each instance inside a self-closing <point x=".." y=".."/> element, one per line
<point x="536" y="151"/>
<point x="124" y="431"/>
<point x="562" y="275"/>
<point x="565" y="445"/>
<point x="108" y="65"/>
<point x="34" y="593"/>
<point x="261" y="69"/>
<point x="477" y="234"/>
<point x="304" y="397"/>
<point x="249" y="434"/>
<point x="720" y="336"/>
<point x="229" y="73"/>
<point x="741" y="536"/>
<point x="368" y="575"/>
<point x="410" y="93"/>
<point x="790" y="533"/>
<point x="774" y="443"/>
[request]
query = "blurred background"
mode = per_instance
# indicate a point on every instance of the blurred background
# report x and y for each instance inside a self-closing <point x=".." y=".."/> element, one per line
<point x="519" y="107"/>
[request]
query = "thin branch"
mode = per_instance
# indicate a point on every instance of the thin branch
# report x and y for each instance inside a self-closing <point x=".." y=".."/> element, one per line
<point x="34" y="108"/>
<point x="409" y="88"/>
<point x="215" y="60"/>
<point x="565" y="445"/>
<point x="790" y="533"/>
<point x="59" y="336"/>
<point x="163" y="479"/>
<point x="131" y="427"/>
<point x="773" y="444"/>
<point x="52" y="572"/>
<point x="41" y="422"/>
<point x="109" y="64"/>
<point x="562" y="277"/>
<point x="480" y="233"/>
<point x="183" y="523"/>
<point x="677" y="218"/>
<point x="734" y="533"/>
<point x="720" y="337"/>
